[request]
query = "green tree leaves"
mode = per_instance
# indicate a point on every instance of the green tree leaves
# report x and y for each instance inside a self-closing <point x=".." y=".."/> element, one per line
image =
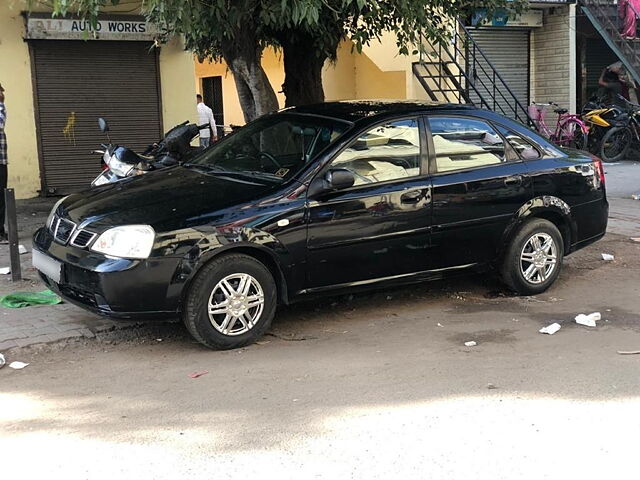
<point x="216" y="29"/>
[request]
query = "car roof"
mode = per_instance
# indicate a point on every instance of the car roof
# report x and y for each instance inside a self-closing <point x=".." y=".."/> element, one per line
<point x="355" y="110"/>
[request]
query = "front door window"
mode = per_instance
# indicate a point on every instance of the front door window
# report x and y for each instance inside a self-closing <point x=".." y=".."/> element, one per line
<point x="390" y="151"/>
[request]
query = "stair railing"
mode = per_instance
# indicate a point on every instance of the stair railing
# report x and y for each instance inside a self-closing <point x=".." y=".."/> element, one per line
<point x="598" y="11"/>
<point x="477" y="75"/>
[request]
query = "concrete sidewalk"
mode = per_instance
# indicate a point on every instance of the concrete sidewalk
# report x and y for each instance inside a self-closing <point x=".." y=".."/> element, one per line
<point x="43" y="324"/>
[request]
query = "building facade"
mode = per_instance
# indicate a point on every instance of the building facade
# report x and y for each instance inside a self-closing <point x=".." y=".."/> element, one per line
<point x="60" y="76"/>
<point x="551" y="53"/>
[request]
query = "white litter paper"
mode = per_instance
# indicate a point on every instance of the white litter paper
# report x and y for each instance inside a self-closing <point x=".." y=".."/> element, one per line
<point x="607" y="257"/>
<point x="470" y="344"/>
<point x="5" y="270"/>
<point x="551" y="329"/>
<point x="2" y="360"/>
<point x="18" y="365"/>
<point x="22" y="249"/>
<point x="588" y="320"/>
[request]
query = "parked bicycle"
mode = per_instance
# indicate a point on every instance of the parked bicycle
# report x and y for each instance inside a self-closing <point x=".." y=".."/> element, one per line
<point x="570" y="130"/>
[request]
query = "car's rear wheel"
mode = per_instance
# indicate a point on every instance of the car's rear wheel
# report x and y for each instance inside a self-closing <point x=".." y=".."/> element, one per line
<point x="231" y="302"/>
<point x="533" y="259"/>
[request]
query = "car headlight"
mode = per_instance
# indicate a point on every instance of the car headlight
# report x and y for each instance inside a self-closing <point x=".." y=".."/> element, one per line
<point x="127" y="241"/>
<point x="119" y="168"/>
<point x="53" y="211"/>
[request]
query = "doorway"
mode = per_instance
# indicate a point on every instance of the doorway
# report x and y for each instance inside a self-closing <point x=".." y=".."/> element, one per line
<point x="212" y="97"/>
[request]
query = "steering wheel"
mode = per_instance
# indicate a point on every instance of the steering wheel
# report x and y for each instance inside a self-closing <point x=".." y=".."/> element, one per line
<point x="271" y="158"/>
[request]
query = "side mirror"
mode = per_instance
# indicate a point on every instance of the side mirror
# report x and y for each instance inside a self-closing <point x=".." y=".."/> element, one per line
<point x="104" y="126"/>
<point x="340" y="178"/>
<point x="335" y="179"/>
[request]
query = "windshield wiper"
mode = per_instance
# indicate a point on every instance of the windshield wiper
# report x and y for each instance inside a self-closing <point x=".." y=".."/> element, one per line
<point x="238" y="173"/>
<point x="208" y="168"/>
<point x="255" y="173"/>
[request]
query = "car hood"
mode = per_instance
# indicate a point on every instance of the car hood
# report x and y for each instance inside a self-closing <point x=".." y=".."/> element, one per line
<point x="168" y="199"/>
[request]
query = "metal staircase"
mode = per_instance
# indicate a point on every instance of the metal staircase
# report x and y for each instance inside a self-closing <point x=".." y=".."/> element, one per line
<point x="604" y="17"/>
<point x="460" y="72"/>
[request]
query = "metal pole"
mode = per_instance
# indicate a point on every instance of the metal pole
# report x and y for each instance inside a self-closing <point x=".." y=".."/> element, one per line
<point x="12" y="233"/>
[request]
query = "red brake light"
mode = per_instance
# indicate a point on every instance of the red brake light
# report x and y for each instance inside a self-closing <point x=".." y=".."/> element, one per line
<point x="597" y="163"/>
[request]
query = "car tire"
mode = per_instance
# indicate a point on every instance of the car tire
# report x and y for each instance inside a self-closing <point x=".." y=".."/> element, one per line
<point x="526" y="268"/>
<point x="217" y="295"/>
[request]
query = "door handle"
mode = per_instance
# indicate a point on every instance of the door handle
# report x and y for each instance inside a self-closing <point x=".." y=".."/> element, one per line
<point x="413" y="196"/>
<point x="515" y="180"/>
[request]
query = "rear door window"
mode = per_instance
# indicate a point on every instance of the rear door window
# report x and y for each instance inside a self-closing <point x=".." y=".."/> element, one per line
<point x="460" y="143"/>
<point x="525" y="149"/>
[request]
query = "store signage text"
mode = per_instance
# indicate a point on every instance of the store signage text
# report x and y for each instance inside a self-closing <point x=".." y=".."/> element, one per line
<point x="503" y="18"/>
<point x="105" y="29"/>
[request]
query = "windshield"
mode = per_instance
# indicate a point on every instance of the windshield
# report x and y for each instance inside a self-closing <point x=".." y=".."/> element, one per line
<point x="275" y="147"/>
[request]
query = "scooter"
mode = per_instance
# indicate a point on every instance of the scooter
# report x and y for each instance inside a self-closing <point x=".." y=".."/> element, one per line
<point x="600" y="116"/>
<point x="122" y="162"/>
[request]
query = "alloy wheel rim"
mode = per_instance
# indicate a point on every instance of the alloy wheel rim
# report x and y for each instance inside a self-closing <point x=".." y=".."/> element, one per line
<point x="236" y="304"/>
<point x="538" y="258"/>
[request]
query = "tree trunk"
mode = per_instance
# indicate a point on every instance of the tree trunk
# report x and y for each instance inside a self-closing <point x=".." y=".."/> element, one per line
<point x="302" y="72"/>
<point x="243" y="56"/>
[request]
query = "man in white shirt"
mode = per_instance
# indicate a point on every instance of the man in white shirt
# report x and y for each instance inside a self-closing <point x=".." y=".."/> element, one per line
<point x="205" y="116"/>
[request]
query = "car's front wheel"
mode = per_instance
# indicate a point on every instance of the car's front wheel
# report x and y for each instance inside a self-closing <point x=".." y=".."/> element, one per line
<point x="533" y="259"/>
<point x="231" y="302"/>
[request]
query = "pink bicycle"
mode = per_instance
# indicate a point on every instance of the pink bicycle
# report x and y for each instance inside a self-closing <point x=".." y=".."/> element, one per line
<point x="570" y="130"/>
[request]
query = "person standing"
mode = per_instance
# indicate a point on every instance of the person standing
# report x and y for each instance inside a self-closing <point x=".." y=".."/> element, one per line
<point x="616" y="80"/>
<point x="205" y="116"/>
<point x="3" y="163"/>
<point x="627" y="12"/>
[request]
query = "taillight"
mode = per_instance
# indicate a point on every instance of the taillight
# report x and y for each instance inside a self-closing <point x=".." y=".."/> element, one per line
<point x="597" y="163"/>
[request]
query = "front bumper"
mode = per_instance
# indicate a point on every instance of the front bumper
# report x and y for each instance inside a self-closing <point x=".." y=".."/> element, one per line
<point x="118" y="288"/>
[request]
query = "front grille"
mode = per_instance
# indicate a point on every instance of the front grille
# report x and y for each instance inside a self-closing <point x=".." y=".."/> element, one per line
<point x="62" y="229"/>
<point x="65" y="231"/>
<point x="82" y="238"/>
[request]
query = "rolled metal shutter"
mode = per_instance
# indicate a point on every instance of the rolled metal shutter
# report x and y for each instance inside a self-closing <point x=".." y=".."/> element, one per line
<point x="508" y="51"/>
<point x="75" y="83"/>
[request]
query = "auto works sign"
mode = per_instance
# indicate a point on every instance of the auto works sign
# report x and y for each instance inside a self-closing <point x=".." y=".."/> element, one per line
<point x="114" y="27"/>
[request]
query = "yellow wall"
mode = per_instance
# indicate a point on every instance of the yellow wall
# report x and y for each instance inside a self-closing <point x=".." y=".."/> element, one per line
<point x="339" y="77"/>
<point x="271" y="63"/>
<point x="177" y="84"/>
<point x="15" y="76"/>
<point x="351" y="76"/>
<point x="371" y="82"/>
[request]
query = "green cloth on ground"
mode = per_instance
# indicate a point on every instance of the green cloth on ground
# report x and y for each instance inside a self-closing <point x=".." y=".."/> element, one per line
<point x="27" y="299"/>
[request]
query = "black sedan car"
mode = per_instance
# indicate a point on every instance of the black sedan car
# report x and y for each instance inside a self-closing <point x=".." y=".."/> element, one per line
<point x="321" y="200"/>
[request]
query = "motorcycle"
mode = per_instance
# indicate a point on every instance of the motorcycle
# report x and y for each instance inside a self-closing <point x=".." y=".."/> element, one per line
<point x="122" y="162"/>
<point x="599" y="118"/>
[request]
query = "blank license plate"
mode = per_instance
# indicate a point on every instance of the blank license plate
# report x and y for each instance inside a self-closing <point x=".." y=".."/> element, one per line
<point x="47" y="265"/>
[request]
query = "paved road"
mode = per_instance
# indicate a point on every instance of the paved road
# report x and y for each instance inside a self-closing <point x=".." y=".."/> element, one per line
<point x="623" y="180"/>
<point x="375" y="386"/>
